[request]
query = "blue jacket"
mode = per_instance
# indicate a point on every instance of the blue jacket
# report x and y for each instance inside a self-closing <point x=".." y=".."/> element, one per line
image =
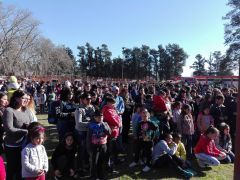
<point x="119" y="105"/>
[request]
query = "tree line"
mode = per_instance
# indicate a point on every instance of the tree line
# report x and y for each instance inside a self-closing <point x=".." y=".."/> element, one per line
<point x="24" y="51"/>
<point x="134" y="63"/>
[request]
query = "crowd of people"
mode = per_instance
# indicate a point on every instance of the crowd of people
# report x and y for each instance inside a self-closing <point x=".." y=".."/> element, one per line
<point x="166" y="124"/>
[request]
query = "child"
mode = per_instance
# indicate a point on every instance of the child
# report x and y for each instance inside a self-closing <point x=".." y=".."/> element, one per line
<point x="180" y="152"/>
<point x="145" y="134"/>
<point x="97" y="135"/>
<point x="63" y="157"/>
<point x="34" y="156"/>
<point x="218" y="111"/>
<point x="136" y="118"/>
<point x="225" y="142"/>
<point x="176" y="116"/>
<point x="163" y="155"/>
<point x="111" y="116"/>
<point x="204" y="119"/>
<point x="187" y="128"/>
<point x="206" y="151"/>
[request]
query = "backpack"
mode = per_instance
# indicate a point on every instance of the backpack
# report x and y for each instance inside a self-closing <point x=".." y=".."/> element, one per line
<point x="54" y="109"/>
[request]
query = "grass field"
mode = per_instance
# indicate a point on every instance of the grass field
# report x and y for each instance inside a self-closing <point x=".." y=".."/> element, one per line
<point x="222" y="172"/>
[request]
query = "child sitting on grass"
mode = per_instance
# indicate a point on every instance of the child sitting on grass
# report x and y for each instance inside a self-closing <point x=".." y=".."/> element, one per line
<point x="164" y="155"/>
<point x="225" y="142"/>
<point x="206" y="151"/>
<point x="63" y="158"/>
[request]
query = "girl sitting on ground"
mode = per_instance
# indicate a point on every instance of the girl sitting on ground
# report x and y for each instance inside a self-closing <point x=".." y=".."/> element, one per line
<point x="63" y="158"/>
<point x="206" y="151"/>
<point x="225" y="142"/>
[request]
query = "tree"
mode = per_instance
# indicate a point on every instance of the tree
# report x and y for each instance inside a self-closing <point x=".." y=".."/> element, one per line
<point x="222" y="64"/>
<point x="171" y="59"/>
<point x="51" y="59"/>
<point x="211" y="66"/>
<point x="232" y="32"/>
<point x="155" y="59"/>
<point x="82" y="62"/>
<point x="18" y="34"/>
<point x="89" y="59"/>
<point x="71" y="56"/>
<point x="199" y="66"/>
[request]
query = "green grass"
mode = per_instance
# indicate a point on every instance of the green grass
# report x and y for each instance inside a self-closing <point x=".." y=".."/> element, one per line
<point x="222" y="172"/>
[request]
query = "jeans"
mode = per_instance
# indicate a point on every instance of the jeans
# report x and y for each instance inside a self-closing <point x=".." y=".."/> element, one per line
<point x="207" y="159"/>
<point x="187" y="141"/>
<point x="98" y="160"/>
<point x="146" y="147"/>
<point x="230" y="157"/>
<point x="82" y="153"/>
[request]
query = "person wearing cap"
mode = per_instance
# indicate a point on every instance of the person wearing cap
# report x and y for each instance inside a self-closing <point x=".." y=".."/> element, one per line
<point x="97" y="138"/>
<point x="83" y="115"/>
<point x="12" y="86"/>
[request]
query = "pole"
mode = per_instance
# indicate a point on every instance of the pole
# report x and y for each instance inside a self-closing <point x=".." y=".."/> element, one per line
<point x="237" y="140"/>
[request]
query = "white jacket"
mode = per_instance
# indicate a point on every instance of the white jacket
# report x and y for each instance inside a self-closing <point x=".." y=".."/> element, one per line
<point x="34" y="158"/>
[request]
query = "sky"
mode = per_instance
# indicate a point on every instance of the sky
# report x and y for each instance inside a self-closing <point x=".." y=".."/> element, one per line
<point x="196" y="26"/>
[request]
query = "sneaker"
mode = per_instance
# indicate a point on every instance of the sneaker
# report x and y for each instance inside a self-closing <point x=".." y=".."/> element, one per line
<point x="187" y="174"/>
<point x="133" y="164"/>
<point x="146" y="169"/>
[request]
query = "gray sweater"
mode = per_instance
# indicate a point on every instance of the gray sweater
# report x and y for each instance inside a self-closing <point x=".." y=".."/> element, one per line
<point x="83" y="115"/>
<point x="14" y="123"/>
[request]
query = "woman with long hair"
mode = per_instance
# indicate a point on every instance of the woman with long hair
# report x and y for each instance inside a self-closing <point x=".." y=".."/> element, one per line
<point x="16" y="119"/>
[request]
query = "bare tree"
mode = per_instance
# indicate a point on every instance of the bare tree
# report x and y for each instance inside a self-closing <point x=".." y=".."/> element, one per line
<point x="18" y="33"/>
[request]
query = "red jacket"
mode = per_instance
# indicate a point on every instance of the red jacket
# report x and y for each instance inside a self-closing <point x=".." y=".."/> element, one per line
<point x="159" y="104"/>
<point x="2" y="169"/>
<point x="207" y="146"/>
<point x="112" y="118"/>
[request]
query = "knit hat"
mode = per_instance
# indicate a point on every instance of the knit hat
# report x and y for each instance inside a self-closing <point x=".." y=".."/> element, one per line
<point x="13" y="84"/>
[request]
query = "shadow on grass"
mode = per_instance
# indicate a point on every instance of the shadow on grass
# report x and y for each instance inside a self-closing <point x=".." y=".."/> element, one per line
<point x="124" y="171"/>
<point x="134" y="173"/>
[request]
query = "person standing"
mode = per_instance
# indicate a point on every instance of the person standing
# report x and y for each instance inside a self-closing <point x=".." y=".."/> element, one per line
<point x="16" y="119"/>
<point x="34" y="156"/>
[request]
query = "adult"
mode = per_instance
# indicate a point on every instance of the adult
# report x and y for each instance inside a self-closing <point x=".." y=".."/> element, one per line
<point x="66" y="113"/>
<point x="83" y="115"/>
<point x="16" y="119"/>
<point x="12" y="86"/>
<point x="3" y="105"/>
